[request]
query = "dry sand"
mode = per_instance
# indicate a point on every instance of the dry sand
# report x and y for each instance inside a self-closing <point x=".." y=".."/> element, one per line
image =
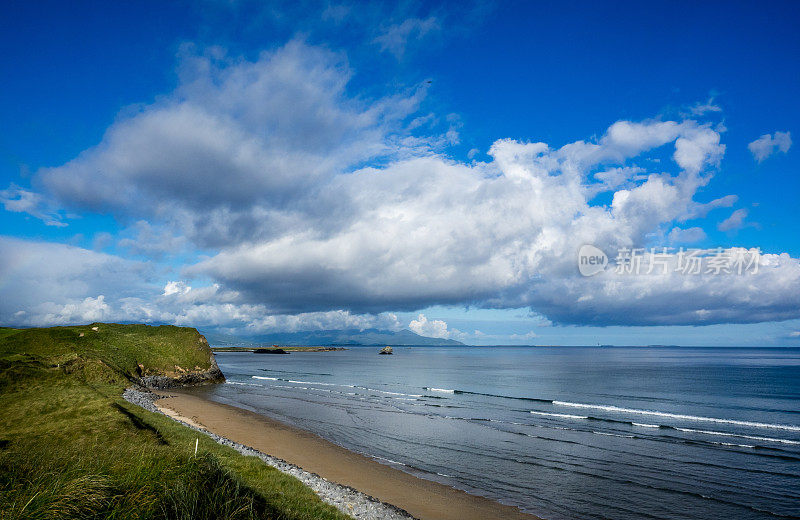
<point x="422" y="498"/>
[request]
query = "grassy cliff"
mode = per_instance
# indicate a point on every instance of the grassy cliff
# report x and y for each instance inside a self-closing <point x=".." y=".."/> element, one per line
<point x="71" y="447"/>
<point x="128" y="351"/>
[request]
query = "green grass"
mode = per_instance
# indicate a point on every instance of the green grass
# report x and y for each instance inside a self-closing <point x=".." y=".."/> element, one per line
<point x="71" y="447"/>
<point x="123" y="347"/>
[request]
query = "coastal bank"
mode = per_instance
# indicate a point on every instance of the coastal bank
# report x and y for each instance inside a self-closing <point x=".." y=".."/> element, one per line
<point x="73" y="446"/>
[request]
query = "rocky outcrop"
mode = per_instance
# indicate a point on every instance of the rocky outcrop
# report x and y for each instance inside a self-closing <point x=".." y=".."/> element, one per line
<point x="206" y="377"/>
<point x="386" y="350"/>
<point x="182" y="377"/>
<point x="269" y="351"/>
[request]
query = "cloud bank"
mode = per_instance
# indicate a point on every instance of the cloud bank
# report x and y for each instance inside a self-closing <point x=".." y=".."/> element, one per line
<point x="315" y="206"/>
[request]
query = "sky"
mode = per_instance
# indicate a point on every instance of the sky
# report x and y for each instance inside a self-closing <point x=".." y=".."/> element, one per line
<point x="246" y="167"/>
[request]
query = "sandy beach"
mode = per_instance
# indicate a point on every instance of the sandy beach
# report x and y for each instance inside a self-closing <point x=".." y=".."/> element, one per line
<point x="423" y="499"/>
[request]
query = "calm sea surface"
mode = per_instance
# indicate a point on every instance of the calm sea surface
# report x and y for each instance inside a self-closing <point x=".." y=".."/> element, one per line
<point x="567" y="432"/>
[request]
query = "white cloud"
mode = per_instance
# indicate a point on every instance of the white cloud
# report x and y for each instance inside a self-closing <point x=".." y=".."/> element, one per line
<point x="237" y="143"/>
<point x="701" y="210"/>
<point x="88" y="310"/>
<point x="330" y="320"/>
<point x="395" y="38"/>
<point x="84" y="286"/>
<point x="261" y="166"/>
<point x="430" y="329"/>
<point x="58" y="283"/>
<point x="686" y="236"/>
<point x="102" y="240"/>
<point x="429" y="230"/>
<point x="701" y="109"/>
<point x="672" y="297"/>
<point x="19" y="200"/>
<point x="178" y="287"/>
<point x="766" y="145"/>
<point x="615" y="177"/>
<point x="734" y="222"/>
<point x="697" y="148"/>
<point x="153" y="241"/>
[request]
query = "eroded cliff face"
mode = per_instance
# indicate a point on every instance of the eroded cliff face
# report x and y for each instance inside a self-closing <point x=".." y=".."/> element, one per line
<point x="183" y="376"/>
<point x="206" y="377"/>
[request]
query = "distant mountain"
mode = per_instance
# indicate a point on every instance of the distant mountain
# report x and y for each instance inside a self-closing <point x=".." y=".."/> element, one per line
<point x="330" y="337"/>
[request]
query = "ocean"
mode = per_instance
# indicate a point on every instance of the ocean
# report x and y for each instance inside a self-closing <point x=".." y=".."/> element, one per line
<point x="561" y="432"/>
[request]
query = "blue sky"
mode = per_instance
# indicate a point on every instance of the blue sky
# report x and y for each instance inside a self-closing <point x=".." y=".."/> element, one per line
<point x="247" y="167"/>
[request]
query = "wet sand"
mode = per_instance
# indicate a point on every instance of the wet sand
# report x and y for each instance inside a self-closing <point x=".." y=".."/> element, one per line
<point x="422" y="498"/>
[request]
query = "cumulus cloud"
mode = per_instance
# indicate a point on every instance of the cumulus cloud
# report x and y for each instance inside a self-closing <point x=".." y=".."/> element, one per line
<point x="429" y="230"/>
<point x="236" y="144"/>
<point x="767" y="144"/>
<point x="505" y="234"/>
<point x="88" y="310"/>
<point x="429" y="328"/>
<point x="670" y="295"/>
<point x="176" y="287"/>
<point x="44" y="283"/>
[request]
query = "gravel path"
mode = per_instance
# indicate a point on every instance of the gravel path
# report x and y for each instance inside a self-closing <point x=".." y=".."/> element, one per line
<point x="345" y="499"/>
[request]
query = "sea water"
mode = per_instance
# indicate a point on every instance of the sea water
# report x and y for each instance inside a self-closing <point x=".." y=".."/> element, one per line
<point x="561" y="432"/>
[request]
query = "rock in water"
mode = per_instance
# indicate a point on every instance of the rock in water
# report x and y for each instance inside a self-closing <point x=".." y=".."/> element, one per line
<point x="386" y="350"/>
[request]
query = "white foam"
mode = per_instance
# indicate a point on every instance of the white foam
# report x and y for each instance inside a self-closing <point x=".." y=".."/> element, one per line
<point x="562" y="415"/>
<point x="390" y="461"/>
<point x="614" y="435"/>
<point x="610" y="408"/>
<point x="311" y="383"/>
<point x="267" y="378"/>
<point x="751" y="437"/>
<point x="384" y="391"/>
<point x="732" y="444"/>
<point x="443" y="390"/>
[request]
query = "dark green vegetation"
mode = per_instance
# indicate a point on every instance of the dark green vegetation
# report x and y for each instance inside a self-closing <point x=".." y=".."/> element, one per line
<point x="71" y="447"/>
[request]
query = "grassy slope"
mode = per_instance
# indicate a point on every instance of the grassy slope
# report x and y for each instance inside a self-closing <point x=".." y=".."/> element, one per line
<point x="122" y="347"/>
<point x="71" y="447"/>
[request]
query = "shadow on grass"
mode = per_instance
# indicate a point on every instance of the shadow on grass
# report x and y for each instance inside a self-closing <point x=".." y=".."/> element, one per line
<point x="212" y="492"/>
<point x="139" y="424"/>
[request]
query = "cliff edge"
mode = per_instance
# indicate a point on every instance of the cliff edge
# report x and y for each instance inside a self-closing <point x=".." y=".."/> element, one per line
<point x="153" y="356"/>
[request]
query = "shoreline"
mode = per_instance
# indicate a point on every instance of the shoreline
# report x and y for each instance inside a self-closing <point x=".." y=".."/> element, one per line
<point x="347" y="500"/>
<point x="421" y="498"/>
